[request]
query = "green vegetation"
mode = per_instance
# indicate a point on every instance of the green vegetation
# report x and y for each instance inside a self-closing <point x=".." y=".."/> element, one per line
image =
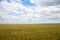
<point x="29" y="31"/>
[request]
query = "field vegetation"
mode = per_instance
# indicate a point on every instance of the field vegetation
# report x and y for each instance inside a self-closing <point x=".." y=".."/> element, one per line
<point x="29" y="31"/>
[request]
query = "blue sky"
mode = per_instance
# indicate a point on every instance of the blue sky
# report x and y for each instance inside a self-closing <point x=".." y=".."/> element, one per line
<point x="29" y="11"/>
<point x="27" y="3"/>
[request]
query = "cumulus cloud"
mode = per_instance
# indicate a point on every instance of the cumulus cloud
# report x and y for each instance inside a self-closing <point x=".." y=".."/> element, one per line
<point x="45" y="11"/>
<point x="47" y="2"/>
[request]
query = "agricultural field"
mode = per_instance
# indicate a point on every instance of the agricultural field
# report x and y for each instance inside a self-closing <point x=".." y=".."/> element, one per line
<point x="29" y="31"/>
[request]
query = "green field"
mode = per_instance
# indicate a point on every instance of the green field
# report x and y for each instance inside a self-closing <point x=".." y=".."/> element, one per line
<point x="29" y="31"/>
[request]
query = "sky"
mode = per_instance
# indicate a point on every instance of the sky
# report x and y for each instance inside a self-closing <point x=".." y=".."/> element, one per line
<point x="29" y="11"/>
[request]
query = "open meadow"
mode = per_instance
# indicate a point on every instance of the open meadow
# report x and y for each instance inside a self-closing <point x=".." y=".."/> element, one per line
<point x="29" y="31"/>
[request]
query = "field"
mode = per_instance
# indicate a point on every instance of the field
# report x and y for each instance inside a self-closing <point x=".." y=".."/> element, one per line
<point x="29" y="31"/>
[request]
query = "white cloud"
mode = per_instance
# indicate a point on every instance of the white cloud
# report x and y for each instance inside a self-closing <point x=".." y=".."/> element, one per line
<point x="17" y="13"/>
<point x="47" y="2"/>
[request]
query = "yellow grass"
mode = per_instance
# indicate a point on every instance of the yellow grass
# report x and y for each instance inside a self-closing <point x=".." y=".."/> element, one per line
<point x="29" y="31"/>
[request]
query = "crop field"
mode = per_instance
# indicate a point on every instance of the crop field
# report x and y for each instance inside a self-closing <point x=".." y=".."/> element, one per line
<point x="29" y="31"/>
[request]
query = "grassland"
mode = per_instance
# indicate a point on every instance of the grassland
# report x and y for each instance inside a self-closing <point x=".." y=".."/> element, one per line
<point x="29" y="31"/>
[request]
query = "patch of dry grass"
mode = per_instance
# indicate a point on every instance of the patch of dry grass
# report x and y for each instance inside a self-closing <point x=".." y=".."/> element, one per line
<point x="29" y="31"/>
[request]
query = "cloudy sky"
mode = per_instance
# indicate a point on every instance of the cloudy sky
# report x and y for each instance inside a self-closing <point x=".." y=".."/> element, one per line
<point x="29" y="11"/>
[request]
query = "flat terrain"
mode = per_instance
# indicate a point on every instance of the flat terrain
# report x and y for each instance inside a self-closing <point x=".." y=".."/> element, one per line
<point x="29" y="31"/>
